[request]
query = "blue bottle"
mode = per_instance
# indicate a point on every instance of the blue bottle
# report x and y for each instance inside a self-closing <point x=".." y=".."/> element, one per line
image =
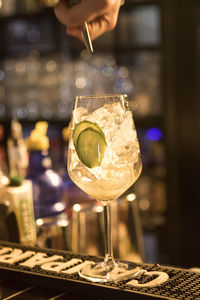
<point x="48" y="186"/>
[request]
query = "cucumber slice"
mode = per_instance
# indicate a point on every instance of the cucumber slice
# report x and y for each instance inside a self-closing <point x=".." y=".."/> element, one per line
<point x="90" y="147"/>
<point x="82" y="126"/>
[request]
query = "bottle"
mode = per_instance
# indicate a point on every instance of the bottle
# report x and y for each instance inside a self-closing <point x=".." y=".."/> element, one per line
<point x="4" y="207"/>
<point x="48" y="185"/>
<point x="9" y="230"/>
<point x="17" y="151"/>
<point x="3" y="155"/>
<point x="20" y="220"/>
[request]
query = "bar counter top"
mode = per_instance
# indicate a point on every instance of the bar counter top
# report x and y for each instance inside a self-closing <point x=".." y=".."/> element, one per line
<point x="41" y="274"/>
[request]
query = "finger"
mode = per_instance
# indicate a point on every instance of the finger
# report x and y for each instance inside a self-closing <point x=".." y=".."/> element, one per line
<point x="87" y="10"/>
<point x="76" y="15"/>
<point x="96" y="28"/>
<point x="61" y="11"/>
<point x="75" y="32"/>
<point x="101" y="25"/>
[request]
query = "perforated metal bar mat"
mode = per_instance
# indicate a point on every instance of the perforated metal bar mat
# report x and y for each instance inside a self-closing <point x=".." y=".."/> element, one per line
<point x="55" y="269"/>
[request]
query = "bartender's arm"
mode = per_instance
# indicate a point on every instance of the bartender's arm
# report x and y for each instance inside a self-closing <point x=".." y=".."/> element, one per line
<point x="101" y="16"/>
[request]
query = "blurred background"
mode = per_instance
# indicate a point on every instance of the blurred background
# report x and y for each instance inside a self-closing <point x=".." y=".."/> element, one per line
<point x="153" y="55"/>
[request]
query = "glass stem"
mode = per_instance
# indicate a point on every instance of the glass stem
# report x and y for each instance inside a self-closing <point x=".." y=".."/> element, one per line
<point x="109" y="260"/>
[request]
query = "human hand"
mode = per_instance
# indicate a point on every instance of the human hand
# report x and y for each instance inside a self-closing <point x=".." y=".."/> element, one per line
<point x="101" y="16"/>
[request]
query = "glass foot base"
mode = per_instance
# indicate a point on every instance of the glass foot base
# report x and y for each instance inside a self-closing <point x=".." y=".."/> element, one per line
<point x="100" y="272"/>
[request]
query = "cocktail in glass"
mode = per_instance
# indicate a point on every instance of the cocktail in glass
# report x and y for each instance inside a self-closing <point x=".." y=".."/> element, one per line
<point x="104" y="161"/>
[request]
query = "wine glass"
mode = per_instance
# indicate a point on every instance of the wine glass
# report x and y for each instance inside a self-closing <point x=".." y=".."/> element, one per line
<point x="104" y="161"/>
